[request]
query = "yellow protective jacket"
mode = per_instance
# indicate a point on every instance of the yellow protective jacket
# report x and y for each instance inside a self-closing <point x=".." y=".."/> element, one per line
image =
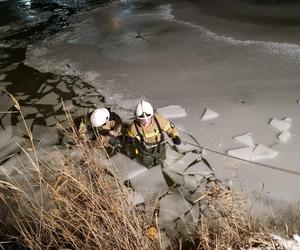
<point x="151" y="134"/>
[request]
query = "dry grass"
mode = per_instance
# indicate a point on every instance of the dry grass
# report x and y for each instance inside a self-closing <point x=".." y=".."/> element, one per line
<point x="227" y="223"/>
<point x="61" y="203"/>
<point x="65" y="204"/>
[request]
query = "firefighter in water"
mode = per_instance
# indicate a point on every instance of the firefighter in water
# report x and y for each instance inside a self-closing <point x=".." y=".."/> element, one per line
<point x="104" y="128"/>
<point x="147" y="131"/>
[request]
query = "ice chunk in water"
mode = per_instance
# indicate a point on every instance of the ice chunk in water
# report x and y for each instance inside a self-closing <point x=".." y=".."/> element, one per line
<point x="2" y="76"/>
<point x="172" y="178"/>
<point x="243" y="153"/>
<point x="126" y="167"/>
<point x="262" y="152"/>
<point x="173" y="206"/>
<point x="150" y="183"/>
<point x="190" y="182"/>
<point x="177" y="216"/>
<point x="136" y="198"/>
<point x="284" y="136"/>
<point x="288" y="119"/>
<point x="281" y="125"/>
<point x="3" y="45"/>
<point x="181" y="165"/>
<point x="44" y="88"/>
<point x="172" y="111"/>
<point x="245" y="139"/>
<point x="209" y="115"/>
<point x="63" y="87"/>
<point x="171" y="156"/>
<point x="49" y="99"/>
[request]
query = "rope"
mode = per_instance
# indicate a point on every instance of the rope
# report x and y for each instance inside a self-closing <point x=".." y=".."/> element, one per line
<point x="237" y="158"/>
<point x="289" y="171"/>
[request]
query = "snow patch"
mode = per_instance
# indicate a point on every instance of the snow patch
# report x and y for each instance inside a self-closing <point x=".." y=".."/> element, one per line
<point x="209" y="115"/>
<point x="288" y="244"/>
<point x="172" y="111"/>
<point x="245" y="139"/>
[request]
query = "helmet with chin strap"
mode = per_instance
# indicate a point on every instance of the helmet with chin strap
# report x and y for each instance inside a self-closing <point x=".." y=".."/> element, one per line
<point x="144" y="110"/>
<point x="99" y="117"/>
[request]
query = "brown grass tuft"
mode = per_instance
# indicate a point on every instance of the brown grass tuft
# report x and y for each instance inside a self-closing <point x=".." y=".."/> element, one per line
<point x="227" y="223"/>
<point x="61" y="203"/>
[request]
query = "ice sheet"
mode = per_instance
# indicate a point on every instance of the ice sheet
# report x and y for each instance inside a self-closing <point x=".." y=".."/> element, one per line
<point x="262" y="152"/>
<point x="243" y="153"/>
<point x="172" y="111"/>
<point x="245" y="139"/>
<point x="209" y="115"/>
<point x="281" y="125"/>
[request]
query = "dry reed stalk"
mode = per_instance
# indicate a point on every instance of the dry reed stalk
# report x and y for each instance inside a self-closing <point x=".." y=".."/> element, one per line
<point x="63" y="204"/>
<point x="227" y="224"/>
<point x="82" y="208"/>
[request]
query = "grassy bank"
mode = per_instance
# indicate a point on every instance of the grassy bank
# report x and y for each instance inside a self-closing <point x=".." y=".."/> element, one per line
<point x="56" y="201"/>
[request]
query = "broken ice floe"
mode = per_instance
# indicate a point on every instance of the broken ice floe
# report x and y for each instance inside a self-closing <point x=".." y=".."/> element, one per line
<point x="242" y="153"/>
<point x="2" y="76"/>
<point x="281" y="125"/>
<point x="136" y="198"/>
<point x="260" y="152"/>
<point x="245" y="139"/>
<point x="3" y="45"/>
<point x="209" y="115"/>
<point x="4" y="84"/>
<point x="176" y="215"/>
<point x="284" y="136"/>
<point x="149" y="183"/>
<point x="288" y="119"/>
<point x="172" y="111"/>
<point x="126" y="168"/>
<point x="48" y="99"/>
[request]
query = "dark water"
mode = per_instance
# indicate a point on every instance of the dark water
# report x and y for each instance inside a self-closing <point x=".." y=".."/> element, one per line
<point x="27" y="22"/>
<point x="265" y="13"/>
<point x="24" y="23"/>
<point x="27" y="10"/>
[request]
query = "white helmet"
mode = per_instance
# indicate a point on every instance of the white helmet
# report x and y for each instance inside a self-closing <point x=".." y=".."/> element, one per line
<point x="143" y="109"/>
<point x="99" y="117"/>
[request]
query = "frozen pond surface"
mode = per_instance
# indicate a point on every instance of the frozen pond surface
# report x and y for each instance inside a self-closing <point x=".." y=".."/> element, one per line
<point x="171" y="55"/>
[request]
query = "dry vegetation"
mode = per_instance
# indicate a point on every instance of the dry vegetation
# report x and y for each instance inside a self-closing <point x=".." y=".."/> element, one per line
<point x="79" y="205"/>
<point x="227" y="223"/>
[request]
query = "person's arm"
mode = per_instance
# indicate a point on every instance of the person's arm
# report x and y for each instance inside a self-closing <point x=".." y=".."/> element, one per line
<point x="132" y="133"/>
<point x="169" y="127"/>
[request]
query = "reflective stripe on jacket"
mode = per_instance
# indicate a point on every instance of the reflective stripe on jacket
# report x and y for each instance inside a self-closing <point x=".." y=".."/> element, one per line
<point x="151" y="134"/>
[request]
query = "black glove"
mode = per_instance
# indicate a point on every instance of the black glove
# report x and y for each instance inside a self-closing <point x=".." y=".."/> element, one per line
<point x="176" y="140"/>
